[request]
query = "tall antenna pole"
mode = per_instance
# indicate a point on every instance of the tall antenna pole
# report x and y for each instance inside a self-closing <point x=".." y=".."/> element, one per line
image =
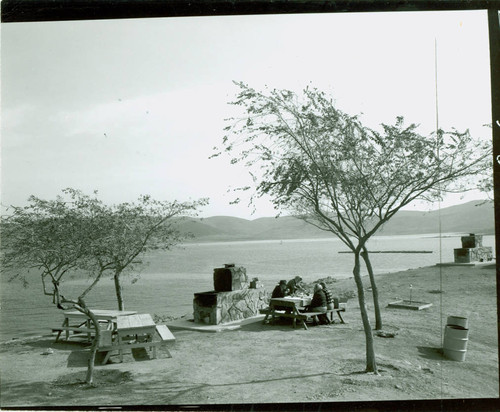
<point x="439" y="204"/>
<point x="436" y="88"/>
<point x="437" y="156"/>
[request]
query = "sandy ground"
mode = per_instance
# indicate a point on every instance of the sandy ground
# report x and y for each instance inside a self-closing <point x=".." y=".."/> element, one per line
<point x="275" y="364"/>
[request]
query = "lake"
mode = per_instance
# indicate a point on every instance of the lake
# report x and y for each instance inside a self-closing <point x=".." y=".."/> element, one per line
<point x="170" y="278"/>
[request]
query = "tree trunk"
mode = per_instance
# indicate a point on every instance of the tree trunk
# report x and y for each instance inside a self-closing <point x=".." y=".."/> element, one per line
<point x="118" y="289"/>
<point x="376" y="305"/>
<point x="371" y="364"/>
<point x="89" y="378"/>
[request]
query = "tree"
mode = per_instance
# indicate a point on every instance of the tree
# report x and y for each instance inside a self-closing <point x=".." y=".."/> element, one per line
<point x="78" y="233"/>
<point x="54" y="238"/>
<point x="129" y="230"/>
<point x="327" y="168"/>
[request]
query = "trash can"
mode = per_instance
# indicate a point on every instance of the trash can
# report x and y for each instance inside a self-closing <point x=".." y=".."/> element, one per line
<point x="456" y="337"/>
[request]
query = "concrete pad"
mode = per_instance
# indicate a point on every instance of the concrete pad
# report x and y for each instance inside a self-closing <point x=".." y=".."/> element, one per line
<point x="188" y="324"/>
<point x="493" y="264"/>
<point x="412" y="305"/>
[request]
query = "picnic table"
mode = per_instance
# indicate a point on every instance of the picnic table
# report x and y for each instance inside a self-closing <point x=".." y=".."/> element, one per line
<point x="119" y="331"/>
<point x="80" y="324"/>
<point x="132" y="331"/>
<point x="297" y="309"/>
<point x="301" y="302"/>
<point x="136" y="331"/>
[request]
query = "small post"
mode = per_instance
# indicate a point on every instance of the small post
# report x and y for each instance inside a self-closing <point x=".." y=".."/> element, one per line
<point x="410" y="292"/>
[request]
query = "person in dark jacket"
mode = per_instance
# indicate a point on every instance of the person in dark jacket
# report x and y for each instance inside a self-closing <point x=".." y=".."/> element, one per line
<point x="295" y="285"/>
<point x="280" y="290"/>
<point x="318" y="304"/>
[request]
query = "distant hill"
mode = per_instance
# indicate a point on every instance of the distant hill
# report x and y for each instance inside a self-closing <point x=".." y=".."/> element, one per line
<point x="472" y="217"/>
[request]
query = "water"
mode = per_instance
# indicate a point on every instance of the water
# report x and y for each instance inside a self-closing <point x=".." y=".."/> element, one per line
<point x="168" y="282"/>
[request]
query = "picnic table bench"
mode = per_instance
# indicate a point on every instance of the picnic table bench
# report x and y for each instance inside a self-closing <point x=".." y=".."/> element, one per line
<point x="79" y="323"/>
<point x="75" y="329"/>
<point x="282" y="307"/>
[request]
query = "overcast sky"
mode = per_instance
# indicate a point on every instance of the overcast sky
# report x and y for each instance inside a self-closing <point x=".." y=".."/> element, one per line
<point x="130" y="107"/>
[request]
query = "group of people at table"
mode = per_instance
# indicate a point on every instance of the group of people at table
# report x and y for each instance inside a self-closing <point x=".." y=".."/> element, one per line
<point x="322" y="299"/>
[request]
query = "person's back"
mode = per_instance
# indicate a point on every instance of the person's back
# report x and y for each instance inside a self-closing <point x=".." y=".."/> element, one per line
<point x="319" y="300"/>
<point x="329" y="296"/>
<point x="318" y="304"/>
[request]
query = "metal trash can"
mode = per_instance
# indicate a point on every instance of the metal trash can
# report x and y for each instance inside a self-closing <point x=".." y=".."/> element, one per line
<point x="456" y="337"/>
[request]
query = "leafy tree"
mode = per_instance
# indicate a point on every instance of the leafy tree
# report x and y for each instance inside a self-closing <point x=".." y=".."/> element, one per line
<point x="53" y="238"/>
<point x="132" y="229"/>
<point x="327" y="168"/>
<point x="78" y="233"/>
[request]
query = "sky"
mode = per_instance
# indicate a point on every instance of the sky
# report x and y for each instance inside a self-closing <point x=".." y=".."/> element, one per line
<point x="135" y="106"/>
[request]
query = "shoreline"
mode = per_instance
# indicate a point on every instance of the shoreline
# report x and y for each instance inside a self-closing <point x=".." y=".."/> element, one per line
<point x="224" y="239"/>
<point x="333" y="282"/>
<point x="24" y="339"/>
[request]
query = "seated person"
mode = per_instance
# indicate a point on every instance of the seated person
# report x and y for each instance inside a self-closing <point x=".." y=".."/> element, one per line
<point x="318" y="304"/>
<point x="294" y="285"/>
<point x="329" y="296"/>
<point x="280" y="290"/>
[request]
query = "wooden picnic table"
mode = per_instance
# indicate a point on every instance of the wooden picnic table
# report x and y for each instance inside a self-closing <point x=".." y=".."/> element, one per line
<point x="296" y="309"/>
<point x="119" y="330"/>
<point x="79" y="323"/>
<point x="136" y="325"/>
<point x="300" y="301"/>
<point x="132" y="331"/>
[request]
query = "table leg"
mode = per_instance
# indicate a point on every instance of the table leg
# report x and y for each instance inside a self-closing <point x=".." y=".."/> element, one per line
<point x="304" y="324"/>
<point x="66" y="323"/>
<point x="106" y="358"/>
<point x="120" y="351"/>
<point x="340" y="316"/>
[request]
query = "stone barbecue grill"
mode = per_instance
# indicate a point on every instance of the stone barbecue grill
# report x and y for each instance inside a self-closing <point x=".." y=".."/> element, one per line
<point x="233" y="297"/>
<point x="472" y="250"/>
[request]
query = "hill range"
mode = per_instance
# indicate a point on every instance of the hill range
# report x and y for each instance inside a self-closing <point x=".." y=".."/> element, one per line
<point x="472" y="217"/>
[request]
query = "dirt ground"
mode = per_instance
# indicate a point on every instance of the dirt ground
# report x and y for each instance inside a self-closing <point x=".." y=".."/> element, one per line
<point x="275" y="364"/>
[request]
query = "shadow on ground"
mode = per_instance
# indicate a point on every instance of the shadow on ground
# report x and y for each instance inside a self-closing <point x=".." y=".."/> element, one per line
<point x="286" y="325"/>
<point x="278" y="325"/>
<point x="431" y="353"/>
<point x="49" y="342"/>
<point x="79" y="358"/>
